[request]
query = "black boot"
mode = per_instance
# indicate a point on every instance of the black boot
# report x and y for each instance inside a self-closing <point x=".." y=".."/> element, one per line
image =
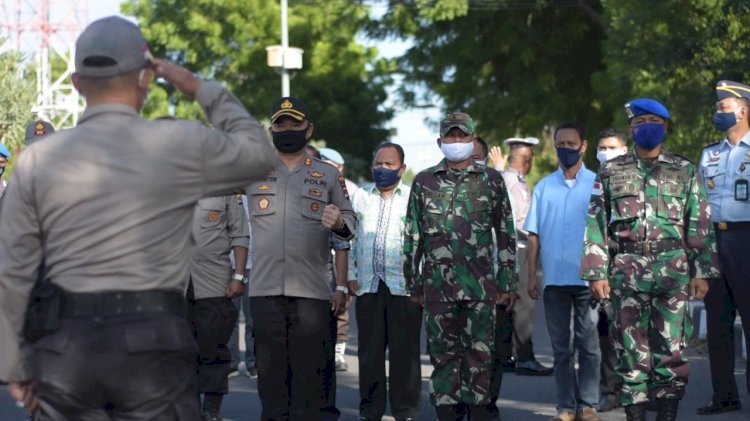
<point x="666" y="409"/>
<point x="450" y="412"/>
<point x="636" y="412"/>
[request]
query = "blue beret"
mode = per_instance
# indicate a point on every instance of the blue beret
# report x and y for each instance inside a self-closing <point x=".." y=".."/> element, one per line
<point x="4" y="151"/>
<point x="728" y="89"/>
<point x="642" y="106"/>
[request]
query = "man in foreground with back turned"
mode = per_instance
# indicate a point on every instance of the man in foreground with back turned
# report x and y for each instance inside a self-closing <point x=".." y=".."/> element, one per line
<point x="108" y="205"/>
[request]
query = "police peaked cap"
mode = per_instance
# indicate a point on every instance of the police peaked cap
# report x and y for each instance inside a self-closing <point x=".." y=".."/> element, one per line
<point x="728" y="89"/>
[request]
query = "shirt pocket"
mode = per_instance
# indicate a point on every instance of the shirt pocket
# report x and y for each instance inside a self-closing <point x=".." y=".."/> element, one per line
<point x="480" y="215"/>
<point x="262" y="198"/>
<point x="624" y="199"/>
<point x="213" y="212"/>
<point x="314" y="200"/>
<point x="671" y="203"/>
<point x="432" y="221"/>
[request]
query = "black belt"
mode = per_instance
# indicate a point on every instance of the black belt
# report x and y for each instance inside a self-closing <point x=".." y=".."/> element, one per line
<point x="731" y="226"/>
<point x="121" y="303"/>
<point x="648" y="248"/>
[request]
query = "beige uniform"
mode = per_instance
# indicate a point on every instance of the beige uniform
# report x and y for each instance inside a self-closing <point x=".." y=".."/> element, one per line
<point x="290" y="245"/>
<point x="109" y="204"/>
<point x="219" y="224"/>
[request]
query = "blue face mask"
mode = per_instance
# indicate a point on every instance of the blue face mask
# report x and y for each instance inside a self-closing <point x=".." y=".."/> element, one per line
<point x="724" y="121"/>
<point x="568" y="157"/>
<point x="385" y="177"/>
<point x="648" y="135"/>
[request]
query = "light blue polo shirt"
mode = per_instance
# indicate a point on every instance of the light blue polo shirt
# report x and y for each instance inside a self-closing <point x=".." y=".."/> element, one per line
<point x="558" y="216"/>
<point x="722" y="164"/>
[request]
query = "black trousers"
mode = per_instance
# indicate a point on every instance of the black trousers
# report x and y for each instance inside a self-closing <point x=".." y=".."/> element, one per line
<point x="330" y="412"/>
<point x="214" y="320"/>
<point x="117" y="368"/>
<point x="391" y="322"/>
<point x="609" y="383"/>
<point x="503" y="350"/>
<point x="290" y="340"/>
<point x="726" y="296"/>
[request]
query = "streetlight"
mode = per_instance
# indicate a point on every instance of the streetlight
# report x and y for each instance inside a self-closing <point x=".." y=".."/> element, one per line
<point x="283" y="58"/>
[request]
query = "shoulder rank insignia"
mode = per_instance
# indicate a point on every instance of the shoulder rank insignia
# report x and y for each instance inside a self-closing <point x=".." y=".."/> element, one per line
<point x="342" y="181"/>
<point x="316" y="174"/>
<point x="315" y="207"/>
<point x="308" y="162"/>
<point x="263" y="203"/>
<point x="264" y="187"/>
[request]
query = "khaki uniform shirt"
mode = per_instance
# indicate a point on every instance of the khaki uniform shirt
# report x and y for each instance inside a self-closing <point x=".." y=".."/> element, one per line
<point x="290" y="245"/>
<point x="520" y="200"/>
<point x="219" y="224"/>
<point x="109" y="203"/>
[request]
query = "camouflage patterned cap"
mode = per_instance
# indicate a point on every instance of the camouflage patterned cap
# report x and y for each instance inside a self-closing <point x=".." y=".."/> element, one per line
<point x="461" y="120"/>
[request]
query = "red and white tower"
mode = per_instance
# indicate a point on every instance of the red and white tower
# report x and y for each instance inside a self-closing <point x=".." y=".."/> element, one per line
<point x="45" y="31"/>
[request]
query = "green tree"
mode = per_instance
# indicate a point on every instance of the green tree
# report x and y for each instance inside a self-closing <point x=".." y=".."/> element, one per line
<point x="17" y="94"/>
<point x="343" y="83"/>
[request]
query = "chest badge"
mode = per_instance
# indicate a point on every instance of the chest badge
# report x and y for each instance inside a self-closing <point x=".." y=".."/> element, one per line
<point x="315" y="207"/>
<point x="264" y="187"/>
<point x="316" y="174"/>
<point x="213" y="216"/>
<point x="263" y="203"/>
<point x="710" y="183"/>
<point x="315" y="192"/>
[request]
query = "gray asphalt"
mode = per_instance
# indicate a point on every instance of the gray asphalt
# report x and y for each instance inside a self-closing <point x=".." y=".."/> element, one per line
<point x="523" y="398"/>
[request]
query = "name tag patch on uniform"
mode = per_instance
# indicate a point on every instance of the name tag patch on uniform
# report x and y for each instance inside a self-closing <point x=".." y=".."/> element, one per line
<point x="316" y="174"/>
<point x="597" y="189"/>
<point x="263" y="203"/>
<point x="315" y="192"/>
<point x="213" y="216"/>
<point x="314" y="206"/>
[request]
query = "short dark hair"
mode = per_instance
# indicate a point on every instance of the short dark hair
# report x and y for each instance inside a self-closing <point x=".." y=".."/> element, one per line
<point x="570" y="125"/>
<point x="613" y="132"/>
<point x="484" y="145"/>
<point x="399" y="150"/>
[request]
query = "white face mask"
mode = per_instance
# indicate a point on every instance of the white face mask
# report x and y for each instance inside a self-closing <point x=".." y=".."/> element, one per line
<point x="458" y="151"/>
<point x="607" y="154"/>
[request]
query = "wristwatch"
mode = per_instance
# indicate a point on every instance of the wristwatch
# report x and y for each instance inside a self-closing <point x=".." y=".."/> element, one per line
<point x="239" y="277"/>
<point x="342" y="288"/>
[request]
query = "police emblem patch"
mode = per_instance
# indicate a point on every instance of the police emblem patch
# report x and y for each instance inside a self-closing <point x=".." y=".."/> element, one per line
<point x="263" y="203"/>
<point x="213" y="216"/>
<point x="39" y="129"/>
<point x="316" y="174"/>
<point x="314" y="207"/>
<point x="286" y="104"/>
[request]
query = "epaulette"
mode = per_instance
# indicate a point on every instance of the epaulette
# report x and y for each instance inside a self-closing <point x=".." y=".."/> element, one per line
<point x="712" y="144"/>
<point x="676" y="155"/>
<point x="614" y="164"/>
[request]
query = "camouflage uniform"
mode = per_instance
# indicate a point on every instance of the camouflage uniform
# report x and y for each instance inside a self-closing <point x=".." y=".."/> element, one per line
<point x="649" y="233"/>
<point x="450" y="220"/>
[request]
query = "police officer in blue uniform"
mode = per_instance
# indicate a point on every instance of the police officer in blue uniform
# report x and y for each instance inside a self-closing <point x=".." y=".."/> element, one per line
<point x="725" y="170"/>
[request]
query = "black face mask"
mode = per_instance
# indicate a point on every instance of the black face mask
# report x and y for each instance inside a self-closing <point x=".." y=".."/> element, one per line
<point x="290" y="141"/>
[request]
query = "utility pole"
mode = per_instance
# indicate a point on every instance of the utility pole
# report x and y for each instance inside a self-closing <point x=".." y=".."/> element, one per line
<point x="283" y="58"/>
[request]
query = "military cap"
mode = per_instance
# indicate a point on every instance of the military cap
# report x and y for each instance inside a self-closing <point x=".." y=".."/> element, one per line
<point x="36" y="130"/>
<point x="332" y="155"/>
<point x="728" y="89"/>
<point x="291" y="106"/>
<point x="110" y="47"/>
<point x="4" y="151"/>
<point x="531" y="141"/>
<point x="461" y="120"/>
<point x="642" y="106"/>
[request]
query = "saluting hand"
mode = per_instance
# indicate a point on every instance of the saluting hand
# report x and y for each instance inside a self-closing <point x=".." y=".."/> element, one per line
<point x="180" y="77"/>
<point x="332" y="219"/>
<point x="497" y="159"/>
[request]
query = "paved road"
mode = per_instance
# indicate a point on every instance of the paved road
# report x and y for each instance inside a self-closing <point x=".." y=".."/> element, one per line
<point x="523" y="398"/>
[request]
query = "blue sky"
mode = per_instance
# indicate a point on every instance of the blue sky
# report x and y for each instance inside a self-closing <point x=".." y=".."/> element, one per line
<point x="417" y="139"/>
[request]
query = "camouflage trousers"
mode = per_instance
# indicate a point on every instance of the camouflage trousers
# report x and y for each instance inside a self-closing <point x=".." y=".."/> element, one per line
<point x="649" y="332"/>
<point x="460" y="337"/>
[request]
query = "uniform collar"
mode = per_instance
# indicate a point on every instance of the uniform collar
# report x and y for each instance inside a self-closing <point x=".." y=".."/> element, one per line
<point x="91" y="112"/>
<point x="399" y="189"/>
<point x="578" y="173"/>
<point x="442" y="166"/>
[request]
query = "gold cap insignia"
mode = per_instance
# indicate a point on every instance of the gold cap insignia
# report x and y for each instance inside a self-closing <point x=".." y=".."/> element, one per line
<point x="286" y="104"/>
<point x="213" y="216"/>
<point x="316" y="174"/>
<point x="263" y="203"/>
<point x="264" y="187"/>
<point x="39" y="129"/>
<point x="314" y="207"/>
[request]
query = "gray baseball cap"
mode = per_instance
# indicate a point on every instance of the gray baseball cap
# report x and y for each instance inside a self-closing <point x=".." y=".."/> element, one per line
<point x="110" y="47"/>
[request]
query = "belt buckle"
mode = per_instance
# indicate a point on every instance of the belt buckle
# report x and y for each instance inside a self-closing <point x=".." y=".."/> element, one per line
<point x="647" y="249"/>
<point x="722" y="226"/>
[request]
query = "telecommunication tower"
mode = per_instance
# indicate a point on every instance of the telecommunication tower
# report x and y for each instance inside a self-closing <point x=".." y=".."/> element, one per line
<point x="45" y="32"/>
